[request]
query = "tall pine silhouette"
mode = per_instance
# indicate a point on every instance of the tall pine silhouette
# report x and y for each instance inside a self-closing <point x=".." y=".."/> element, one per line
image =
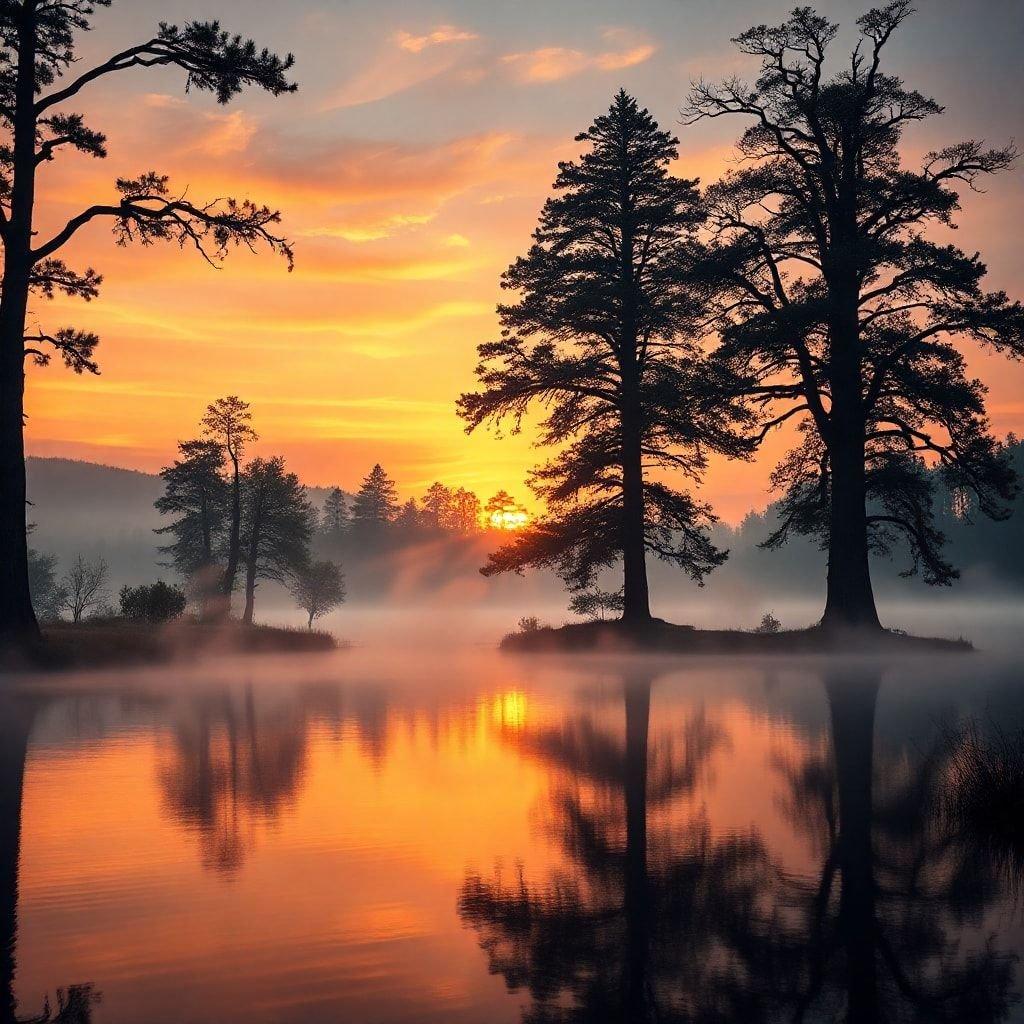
<point x="604" y="339"/>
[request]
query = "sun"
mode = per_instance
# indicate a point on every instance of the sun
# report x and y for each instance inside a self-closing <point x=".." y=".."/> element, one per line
<point x="509" y="519"/>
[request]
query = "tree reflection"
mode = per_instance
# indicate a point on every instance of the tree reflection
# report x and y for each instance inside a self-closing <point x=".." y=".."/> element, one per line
<point x="656" y="918"/>
<point x="877" y="936"/>
<point x="237" y="762"/>
<point x="73" y="1005"/>
<point x="647" y="923"/>
<point x="232" y="768"/>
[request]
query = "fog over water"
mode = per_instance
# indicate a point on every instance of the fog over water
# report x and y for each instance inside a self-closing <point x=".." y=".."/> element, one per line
<point x="421" y="828"/>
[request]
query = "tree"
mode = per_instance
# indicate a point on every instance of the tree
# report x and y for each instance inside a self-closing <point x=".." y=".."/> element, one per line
<point x="503" y="512"/>
<point x="277" y="524"/>
<point x="334" y="520"/>
<point x="847" y="315"/>
<point x="48" y="596"/>
<point x="465" y="517"/>
<point x="158" y="602"/>
<point x="196" y="493"/>
<point x="84" y="587"/>
<point x="603" y="336"/>
<point x="437" y="506"/>
<point x="39" y="77"/>
<point x="319" y="589"/>
<point x="377" y="499"/>
<point x="409" y="516"/>
<point x="227" y="423"/>
<point x="601" y="603"/>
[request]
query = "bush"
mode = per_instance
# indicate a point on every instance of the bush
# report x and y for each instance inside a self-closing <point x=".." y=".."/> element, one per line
<point x="158" y="602"/>
<point x="597" y="604"/>
<point x="529" y="624"/>
<point x="768" y="624"/>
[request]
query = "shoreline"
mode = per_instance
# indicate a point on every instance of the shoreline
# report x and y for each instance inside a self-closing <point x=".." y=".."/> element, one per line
<point x="660" y="637"/>
<point x="69" y="647"/>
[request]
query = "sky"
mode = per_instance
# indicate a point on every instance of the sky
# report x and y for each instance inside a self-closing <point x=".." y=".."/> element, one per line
<point x="410" y="168"/>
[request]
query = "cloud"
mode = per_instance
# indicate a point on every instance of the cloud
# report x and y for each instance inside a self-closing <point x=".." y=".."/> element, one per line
<point x="407" y="61"/>
<point x="552" y="63"/>
<point x="441" y="34"/>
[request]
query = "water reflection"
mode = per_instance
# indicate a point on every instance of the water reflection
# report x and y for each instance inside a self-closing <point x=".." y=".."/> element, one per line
<point x="72" y="1005"/>
<point x="674" y="843"/>
<point x="672" y="923"/>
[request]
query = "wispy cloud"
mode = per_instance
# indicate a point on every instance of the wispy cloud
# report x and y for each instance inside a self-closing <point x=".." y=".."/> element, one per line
<point x="407" y="61"/>
<point x="552" y="63"/>
<point x="440" y="35"/>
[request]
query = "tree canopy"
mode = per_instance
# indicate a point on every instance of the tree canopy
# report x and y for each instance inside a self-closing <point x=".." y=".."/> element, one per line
<point x="604" y="337"/>
<point x="849" y="314"/>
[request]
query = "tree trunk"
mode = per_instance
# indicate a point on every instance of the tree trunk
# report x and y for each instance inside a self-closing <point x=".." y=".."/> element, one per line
<point x="850" y="601"/>
<point x="637" y="886"/>
<point x="250" y="593"/>
<point x="636" y="607"/>
<point x="309" y="625"/>
<point x="234" y="539"/>
<point x="852" y="701"/>
<point x="17" y="619"/>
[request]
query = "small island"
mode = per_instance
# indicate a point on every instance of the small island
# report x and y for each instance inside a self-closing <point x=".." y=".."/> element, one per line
<point x="659" y="637"/>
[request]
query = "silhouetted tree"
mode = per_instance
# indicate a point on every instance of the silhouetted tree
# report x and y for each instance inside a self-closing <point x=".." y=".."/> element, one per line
<point x="500" y="508"/>
<point x="845" y="312"/>
<point x="335" y="517"/>
<point x="277" y="524"/>
<point x="39" y="77"/>
<point x="465" y="515"/>
<point x="227" y="422"/>
<point x="437" y="506"/>
<point x="319" y="588"/>
<point x="84" y="587"/>
<point x="410" y="516"/>
<point x="597" y="602"/>
<point x="196" y="493"/>
<point x="377" y="499"/>
<point x="604" y="337"/>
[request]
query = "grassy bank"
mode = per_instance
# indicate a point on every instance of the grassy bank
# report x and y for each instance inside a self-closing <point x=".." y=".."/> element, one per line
<point x="662" y="637"/>
<point x="117" y="642"/>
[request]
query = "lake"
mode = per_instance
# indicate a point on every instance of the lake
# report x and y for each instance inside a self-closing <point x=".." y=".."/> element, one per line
<point x="457" y="835"/>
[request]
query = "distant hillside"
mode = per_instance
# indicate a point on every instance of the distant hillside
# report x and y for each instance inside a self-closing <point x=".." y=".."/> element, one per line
<point x="84" y="507"/>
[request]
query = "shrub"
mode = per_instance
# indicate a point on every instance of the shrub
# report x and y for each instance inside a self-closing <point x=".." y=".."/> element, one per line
<point x="158" y="602"/>
<point x="529" y="624"/>
<point x="768" y="624"/>
<point x="596" y="603"/>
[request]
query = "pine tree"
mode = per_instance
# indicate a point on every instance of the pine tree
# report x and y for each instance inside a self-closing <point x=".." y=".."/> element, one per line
<point x="335" y="517"/>
<point x="605" y="338"/>
<point x="228" y="423"/>
<point x="847" y="315"/>
<point x="376" y="502"/>
<point x="197" y="495"/>
<point x="277" y="525"/>
<point x="438" y="507"/>
<point x="40" y="76"/>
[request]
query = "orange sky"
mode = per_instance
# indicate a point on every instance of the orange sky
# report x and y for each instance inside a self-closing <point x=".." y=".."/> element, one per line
<point x="410" y="168"/>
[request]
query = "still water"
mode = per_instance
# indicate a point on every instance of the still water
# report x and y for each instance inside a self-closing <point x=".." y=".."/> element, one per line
<point x="472" y="837"/>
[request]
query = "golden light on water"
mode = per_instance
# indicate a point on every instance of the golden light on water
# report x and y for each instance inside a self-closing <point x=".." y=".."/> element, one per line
<point x="508" y="710"/>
